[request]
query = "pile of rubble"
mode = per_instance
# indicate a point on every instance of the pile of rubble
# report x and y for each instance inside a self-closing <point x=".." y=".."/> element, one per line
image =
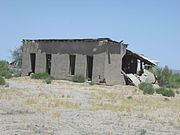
<point x="136" y="69"/>
<point x="146" y="77"/>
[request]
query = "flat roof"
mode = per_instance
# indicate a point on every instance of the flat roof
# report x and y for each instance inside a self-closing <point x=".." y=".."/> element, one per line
<point x="74" y="40"/>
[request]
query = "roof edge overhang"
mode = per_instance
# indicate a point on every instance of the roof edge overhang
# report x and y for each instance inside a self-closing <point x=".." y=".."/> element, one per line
<point x="142" y="58"/>
<point x="75" y="40"/>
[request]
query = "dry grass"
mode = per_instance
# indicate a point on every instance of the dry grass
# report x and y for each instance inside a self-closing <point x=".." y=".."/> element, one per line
<point x="56" y="115"/>
<point x="111" y="107"/>
<point x="116" y="99"/>
<point x="51" y="105"/>
<point x="113" y="98"/>
<point x="9" y="94"/>
<point x="139" y="102"/>
<point x="43" y="102"/>
<point x="103" y="94"/>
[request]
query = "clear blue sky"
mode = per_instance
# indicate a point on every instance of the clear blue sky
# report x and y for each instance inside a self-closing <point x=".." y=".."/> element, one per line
<point x="151" y="27"/>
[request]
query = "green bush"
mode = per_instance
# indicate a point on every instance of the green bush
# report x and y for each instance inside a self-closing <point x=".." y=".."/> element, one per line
<point x="78" y="78"/>
<point x="2" y="81"/>
<point x="166" y="78"/>
<point x="147" y="88"/>
<point x="48" y="80"/>
<point x="4" y="69"/>
<point x="17" y="55"/>
<point x="8" y="75"/>
<point x="129" y="97"/>
<point x="17" y="74"/>
<point x="4" y="72"/>
<point x="143" y="85"/>
<point x="42" y="76"/>
<point x="169" y="93"/>
<point x="165" y="92"/>
<point x="175" y="81"/>
<point x="7" y="72"/>
<point x="160" y="90"/>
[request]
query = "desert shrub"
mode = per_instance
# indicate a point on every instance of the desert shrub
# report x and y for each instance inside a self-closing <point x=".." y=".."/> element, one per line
<point x="4" y="72"/>
<point x="41" y="76"/>
<point x="166" y="78"/>
<point x="166" y="99"/>
<point x="7" y="72"/>
<point x="143" y="85"/>
<point x="168" y="93"/>
<point x="18" y="74"/>
<point x="2" y="81"/>
<point x="147" y="88"/>
<point x="4" y="69"/>
<point x="78" y="78"/>
<point x="165" y="92"/>
<point x="48" y="80"/>
<point x="175" y="81"/>
<point x="17" y="56"/>
<point x="160" y="90"/>
<point x="8" y="75"/>
<point x="174" y="85"/>
<point x="129" y="97"/>
<point x="143" y="132"/>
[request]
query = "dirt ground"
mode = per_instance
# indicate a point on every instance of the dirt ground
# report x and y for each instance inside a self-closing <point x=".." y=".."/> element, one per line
<point x="31" y="107"/>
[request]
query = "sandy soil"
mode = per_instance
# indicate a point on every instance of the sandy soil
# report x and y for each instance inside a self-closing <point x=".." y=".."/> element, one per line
<point x="31" y="107"/>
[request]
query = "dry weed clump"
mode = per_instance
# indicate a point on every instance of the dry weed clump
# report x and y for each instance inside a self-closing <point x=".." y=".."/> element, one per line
<point x="56" y="115"/>
<point x="44" y="103"/>
<point x="110" y="106"/>
<point x="103" y="94"/>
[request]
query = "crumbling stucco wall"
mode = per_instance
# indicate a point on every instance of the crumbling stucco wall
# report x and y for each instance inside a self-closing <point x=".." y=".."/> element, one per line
<point x="80" y="66"/>
<point x="26" y="66"/>
<point x="59" y="66"/>
<point x="60" y="51"/>
<point x="113" y="70"/>
<point x="113" y="64"/>
<point x="40" y="65"/>
<point x="98" y="68"/>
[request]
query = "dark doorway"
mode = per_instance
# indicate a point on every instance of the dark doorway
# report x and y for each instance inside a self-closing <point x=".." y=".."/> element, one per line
<point x="129" y="64"/>
<point x="72" y="60"/>
<point x="48" y="63"/>
<point x="89" y="67"/>
<point x="33" y="62"/>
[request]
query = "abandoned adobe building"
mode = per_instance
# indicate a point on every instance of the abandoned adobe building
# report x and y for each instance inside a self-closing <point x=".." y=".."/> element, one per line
<point x="99" y="60"/>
